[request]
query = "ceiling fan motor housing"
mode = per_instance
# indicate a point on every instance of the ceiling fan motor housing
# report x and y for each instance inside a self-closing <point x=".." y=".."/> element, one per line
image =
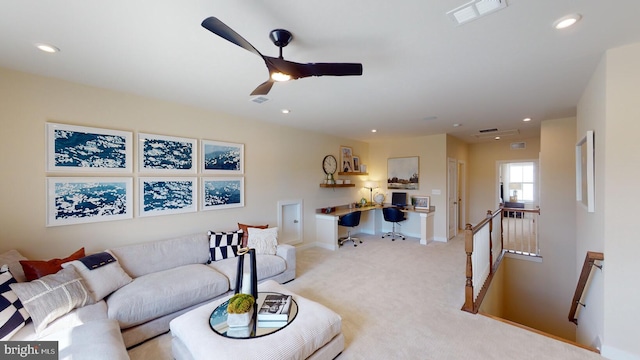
<point x="280" y="37"/>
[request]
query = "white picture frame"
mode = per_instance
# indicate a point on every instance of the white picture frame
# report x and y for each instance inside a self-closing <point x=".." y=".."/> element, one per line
<point x="82" y="149"/>
<point x="79" y="200"/>
<point x="167" y="195"/>
<point x="166" y="154"/>
<point x="221" y="192"/>
<point x="585" y="163"/>
<point x="219" y="157"/>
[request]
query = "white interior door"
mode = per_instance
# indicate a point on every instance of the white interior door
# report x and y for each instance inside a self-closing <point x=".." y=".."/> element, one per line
<point x="290" y="222"/>
<point x="452" y="198"/>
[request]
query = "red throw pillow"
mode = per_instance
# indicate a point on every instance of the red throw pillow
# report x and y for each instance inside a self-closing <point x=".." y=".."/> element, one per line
<point x="245" y="231"/>
<point x="34" y="269"/>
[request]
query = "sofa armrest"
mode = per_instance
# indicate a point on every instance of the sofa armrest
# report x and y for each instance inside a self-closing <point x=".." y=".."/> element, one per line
<point x="288" y="253"/>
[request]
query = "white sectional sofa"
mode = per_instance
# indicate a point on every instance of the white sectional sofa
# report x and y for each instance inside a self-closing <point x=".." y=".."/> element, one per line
<point x="168" y="278"/>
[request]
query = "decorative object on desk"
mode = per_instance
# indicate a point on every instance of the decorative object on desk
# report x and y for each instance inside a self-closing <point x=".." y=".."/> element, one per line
<point x="329" y="166"/>
<point x="379" y="198"/>
<point x="371" y="185"/>
<point x="363" y="202"/>
<point x="346" y="159"/>
<point x="275" y="307"/>
<point x="253" y="274"/>
<point x="403" y="173"/>
<point x="240" y="310"/>
<point x="420" y="202"/>
<point x="356" y="163"/>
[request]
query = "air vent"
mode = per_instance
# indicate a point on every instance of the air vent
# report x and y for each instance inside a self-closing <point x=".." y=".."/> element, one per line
<point x="488" y="130"/>
<point x="493" y="133"/>
<point x="518" y="145"/>
<point x="475" y="9"/>
<point x="259" y="99"/>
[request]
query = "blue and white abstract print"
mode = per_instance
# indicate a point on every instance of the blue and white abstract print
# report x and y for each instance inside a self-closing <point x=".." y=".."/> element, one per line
<point x="82" y="200"/>
<point x="167" y="154"/>
<point x="81" y="149"/>
<point x="223" y="193"/>
<point x="221" y="157"/>
<point x="162" y="196"/>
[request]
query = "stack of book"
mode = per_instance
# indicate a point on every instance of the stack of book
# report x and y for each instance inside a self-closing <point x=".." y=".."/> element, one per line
<point x="274" y="311"/>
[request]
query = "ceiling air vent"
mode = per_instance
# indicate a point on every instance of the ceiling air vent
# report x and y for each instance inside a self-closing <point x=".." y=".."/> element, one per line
<point x="475" y="9"/>
<point x="488" y="130"/>
<point x="259" y="99"/>
<point x="492" y="133"/>
<point x="518" y="145"/>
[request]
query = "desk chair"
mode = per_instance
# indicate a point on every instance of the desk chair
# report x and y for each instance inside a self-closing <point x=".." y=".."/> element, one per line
<point x="393" y="215"/>
<point x="351" y="219"/>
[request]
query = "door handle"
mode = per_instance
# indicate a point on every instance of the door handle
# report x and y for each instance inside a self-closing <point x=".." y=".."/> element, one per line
<point x="295" y="221"/>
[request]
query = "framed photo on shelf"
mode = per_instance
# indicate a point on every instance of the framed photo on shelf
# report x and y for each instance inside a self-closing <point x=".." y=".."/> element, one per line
<point x="164" y="196"/>
<point x="78" y="200"/>
<point x="222" y="158"/>
<point x="222" y="193"/>
<point x="403" y="173"/>
<point x="356" y="163"/>
<point x="72" y="148"/>
<point x="159" y="153"/>
<point x="346" y="159"/>
<point x="420" y="202"/>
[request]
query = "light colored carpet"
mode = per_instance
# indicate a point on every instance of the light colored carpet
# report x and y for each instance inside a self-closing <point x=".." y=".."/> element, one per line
<point x="401" y="300"/>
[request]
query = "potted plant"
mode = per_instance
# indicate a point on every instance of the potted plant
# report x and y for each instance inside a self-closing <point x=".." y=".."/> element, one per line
<point x="240" y="310"/>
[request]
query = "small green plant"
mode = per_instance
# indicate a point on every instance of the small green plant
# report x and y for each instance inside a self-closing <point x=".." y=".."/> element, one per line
<point x="240" y="303"/>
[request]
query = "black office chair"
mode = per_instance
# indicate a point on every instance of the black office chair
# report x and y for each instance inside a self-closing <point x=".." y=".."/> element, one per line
<point x="351" y="219"/>
<point x="393" y="215"/>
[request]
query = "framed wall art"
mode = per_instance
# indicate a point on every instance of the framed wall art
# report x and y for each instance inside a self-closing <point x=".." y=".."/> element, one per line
<point x="159" y="153"/>
<point x="222" y="193"/>
<point x="356" y="163"/>
<point x="420" y="202"/>
<point x="585" y="163"/>
<point x="78" y="200"/>
<point x="403" y="173"/>
<point x="222" y="158"/>
<point x="346" y="159"/>
<point x="72" y="148"/>
<point x="164" y="196"/>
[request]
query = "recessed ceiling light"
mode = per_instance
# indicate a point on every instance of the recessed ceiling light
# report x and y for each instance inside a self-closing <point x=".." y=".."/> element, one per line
<point x="47" y="48"/>
<point x="457" y="125"/>
<point x="496" y="138"/>
<point x="374" y="130"/>
<point x="526" y="119"/>
<point x="286" y="111"/>
<point x="566" y="21"/>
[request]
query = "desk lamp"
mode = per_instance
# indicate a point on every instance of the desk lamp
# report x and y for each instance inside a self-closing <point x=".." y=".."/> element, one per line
<point x="370" y="185"/>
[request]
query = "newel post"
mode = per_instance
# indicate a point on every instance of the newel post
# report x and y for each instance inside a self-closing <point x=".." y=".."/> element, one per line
<point x="468" y="289"/>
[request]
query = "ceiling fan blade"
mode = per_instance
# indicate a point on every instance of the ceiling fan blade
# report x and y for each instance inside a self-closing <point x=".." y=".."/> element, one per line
<point x="263" y="89"/>
<point x="298" y="70"/>
<point x="221" y="29"/>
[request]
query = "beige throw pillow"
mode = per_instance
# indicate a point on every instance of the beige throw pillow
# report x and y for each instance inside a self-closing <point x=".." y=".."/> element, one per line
<point x="52" y="296"/>
<point x="103" y="280"/>
<point x="265" y="241"/>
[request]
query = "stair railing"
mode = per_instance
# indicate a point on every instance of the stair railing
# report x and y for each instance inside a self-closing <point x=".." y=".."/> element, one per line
<point x="589" y="262"/>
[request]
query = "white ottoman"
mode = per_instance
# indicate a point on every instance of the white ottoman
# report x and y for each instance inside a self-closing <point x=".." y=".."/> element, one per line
<point x="315" y="333"/>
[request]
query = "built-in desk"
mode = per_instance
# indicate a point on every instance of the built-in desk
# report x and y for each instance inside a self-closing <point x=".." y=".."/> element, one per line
<point x="419" y="224"/>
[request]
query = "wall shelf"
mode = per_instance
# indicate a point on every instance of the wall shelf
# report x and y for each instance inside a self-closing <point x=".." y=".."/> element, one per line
<point x="352" y="173"/>
<point x="336" y="185"/>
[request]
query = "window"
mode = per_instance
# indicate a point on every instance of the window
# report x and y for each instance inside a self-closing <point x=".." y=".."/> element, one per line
<point x="521" y="183"/>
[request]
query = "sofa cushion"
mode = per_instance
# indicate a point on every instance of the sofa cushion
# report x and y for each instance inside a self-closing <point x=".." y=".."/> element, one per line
<point x="245" y="230"/>
<point x="13" y="315"/>
<point x="52" y="296"/>
<point x="34" y="269"/>
<point x="224" y="245"/>
<point x="265" y="241"/>
<point x="94" y="340"/>
<point x="102" y="280"/>
<point x="154" y="256"/>
<point x="12" y="258"/>
<point x="266" y="267"/>
<point x="160" y="293"/>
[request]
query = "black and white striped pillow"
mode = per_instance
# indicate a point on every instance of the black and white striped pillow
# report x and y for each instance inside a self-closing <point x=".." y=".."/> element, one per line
<point x="13" y="315"/>
<point x="224" y="245"/>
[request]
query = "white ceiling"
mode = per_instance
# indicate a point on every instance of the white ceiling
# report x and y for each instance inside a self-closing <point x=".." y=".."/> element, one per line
<point x="422" y="73"/>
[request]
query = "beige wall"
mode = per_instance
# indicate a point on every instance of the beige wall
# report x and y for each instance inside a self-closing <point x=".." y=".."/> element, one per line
<point x="282" y="163"/>
<point x="459" y="151"/>
<point x="433" y="171"/>
<point x="621" y="173"/>
<point x="482" y="172"/>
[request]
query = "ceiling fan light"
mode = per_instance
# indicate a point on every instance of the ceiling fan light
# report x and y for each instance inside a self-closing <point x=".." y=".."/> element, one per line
<point x="278" y="76"/>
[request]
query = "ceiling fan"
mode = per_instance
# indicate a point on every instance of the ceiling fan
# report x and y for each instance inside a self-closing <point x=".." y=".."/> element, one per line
<point x="279" y="68"/>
